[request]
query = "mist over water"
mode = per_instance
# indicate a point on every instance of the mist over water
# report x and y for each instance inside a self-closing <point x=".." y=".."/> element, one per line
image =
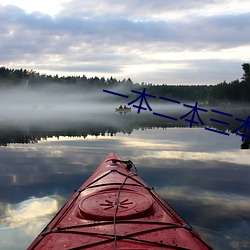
<point x="51" y="103"/>
<point x="65" y="104"/>
<point x="29" y="114"/>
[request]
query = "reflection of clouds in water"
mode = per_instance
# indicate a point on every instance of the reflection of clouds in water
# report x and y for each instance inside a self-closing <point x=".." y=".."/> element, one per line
<point x="161" y="144"/>
<point x="29" y="212"/>
<point x="210" y="179"/>
<point x="2" y="210"/>
<point x="237" y="157"/>
<point x="226" y="216"/>
<point x="147" y="144"/>
<point x="181" y="139"/>
<point x="51" y="159"/>
<point x="228" y="203"/>
<point x="22" y="222"/>
<point x="228" y="239"/>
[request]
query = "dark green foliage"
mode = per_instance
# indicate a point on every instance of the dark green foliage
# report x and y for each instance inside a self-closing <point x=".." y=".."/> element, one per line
<point x="233" y="92"/>
<point x="246" y="75"/>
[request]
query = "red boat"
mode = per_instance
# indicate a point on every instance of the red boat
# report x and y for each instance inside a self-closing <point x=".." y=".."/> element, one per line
<point x="116" y="209"/>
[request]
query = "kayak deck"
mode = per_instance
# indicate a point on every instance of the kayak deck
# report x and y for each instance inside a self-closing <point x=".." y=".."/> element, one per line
<point x="116" y="209"/>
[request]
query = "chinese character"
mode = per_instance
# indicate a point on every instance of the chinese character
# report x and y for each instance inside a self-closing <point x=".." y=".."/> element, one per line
<point x="166" y="116"/>
<point x="214" y="120"/>
<point x="194" y="111"/>
<point x="114" y="93"/>
<point x="246" y="125"/>
<point x="170" y="100"/>
<point x="142" y="97"/>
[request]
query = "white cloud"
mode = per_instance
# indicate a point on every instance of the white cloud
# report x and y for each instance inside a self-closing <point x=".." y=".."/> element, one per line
<point x="29" y="211"/>
<point x="45" y="6"/>
<point x="25" y="220"/>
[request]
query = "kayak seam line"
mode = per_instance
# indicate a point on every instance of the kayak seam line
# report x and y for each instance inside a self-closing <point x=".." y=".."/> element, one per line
<point x="120" y="222"/>
<point x="120" y="236"/>
<point x="99" y="178"/>
<point x="110" y="184"/>
<point x="173" y="212"/>
<point x="114" y="170"/>
<point x="45" y="232"/>
<point x="166" y="208"/>
<point x="128" y="237"/>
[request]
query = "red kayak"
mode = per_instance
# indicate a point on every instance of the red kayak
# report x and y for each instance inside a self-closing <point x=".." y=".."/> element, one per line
<point x="116" y="209"/>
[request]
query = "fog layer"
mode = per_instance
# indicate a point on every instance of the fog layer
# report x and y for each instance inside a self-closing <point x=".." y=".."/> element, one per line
<point x="54" y="102"/>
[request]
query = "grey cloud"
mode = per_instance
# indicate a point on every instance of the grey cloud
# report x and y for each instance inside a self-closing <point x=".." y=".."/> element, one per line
<point x="134" y="8"/>
<point x="203" y="31"/>
<point x="219" y="31"/>
<point x="112" y="39"/>
<point x="85" y="68"/>
<point x="209" y="71"/>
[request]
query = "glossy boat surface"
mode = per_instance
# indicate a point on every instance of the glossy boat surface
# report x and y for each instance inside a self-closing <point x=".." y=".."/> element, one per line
<point x="116" y="209"/>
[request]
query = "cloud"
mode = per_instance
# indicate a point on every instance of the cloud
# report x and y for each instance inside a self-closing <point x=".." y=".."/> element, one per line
<point x="229" y="204"/>
<point x="148" y="9"/>
<point x="29" y="210"/>
<point x="26" y="220"/>
<point x="124" y="39"/>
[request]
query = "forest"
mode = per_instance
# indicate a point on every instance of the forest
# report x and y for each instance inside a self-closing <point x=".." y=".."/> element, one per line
<point x="234" y="92"/>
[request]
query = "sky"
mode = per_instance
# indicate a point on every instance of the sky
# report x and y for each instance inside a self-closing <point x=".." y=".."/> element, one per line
<point x="151" y="41"/>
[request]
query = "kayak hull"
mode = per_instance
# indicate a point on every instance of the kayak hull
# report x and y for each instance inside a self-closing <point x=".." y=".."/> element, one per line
<point x="116" y="209"/>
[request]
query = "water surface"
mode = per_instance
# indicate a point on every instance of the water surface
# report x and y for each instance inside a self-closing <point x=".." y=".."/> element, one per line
<point x="203" y="175"/>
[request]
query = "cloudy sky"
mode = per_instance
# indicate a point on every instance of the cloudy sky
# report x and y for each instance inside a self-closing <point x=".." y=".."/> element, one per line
<point x="157" y="41"/>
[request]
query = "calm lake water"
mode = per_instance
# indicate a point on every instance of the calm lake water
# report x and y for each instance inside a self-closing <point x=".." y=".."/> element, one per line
<point x="205" y="176"/>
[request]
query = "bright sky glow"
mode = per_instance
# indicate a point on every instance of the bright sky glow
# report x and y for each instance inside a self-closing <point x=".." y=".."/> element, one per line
<point x="46" y="6"/>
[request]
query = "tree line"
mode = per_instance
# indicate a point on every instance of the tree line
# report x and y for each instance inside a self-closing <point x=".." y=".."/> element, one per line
<point x="235" y="91"/>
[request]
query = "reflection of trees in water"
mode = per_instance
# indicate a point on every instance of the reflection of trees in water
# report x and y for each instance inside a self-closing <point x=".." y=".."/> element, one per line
<point x="246" y="144"/>
<point x="116" y="124"/>
<point x="9" y="137"/>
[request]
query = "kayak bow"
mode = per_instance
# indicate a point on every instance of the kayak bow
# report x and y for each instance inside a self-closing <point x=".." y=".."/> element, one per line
<point x="116" y="209"/>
